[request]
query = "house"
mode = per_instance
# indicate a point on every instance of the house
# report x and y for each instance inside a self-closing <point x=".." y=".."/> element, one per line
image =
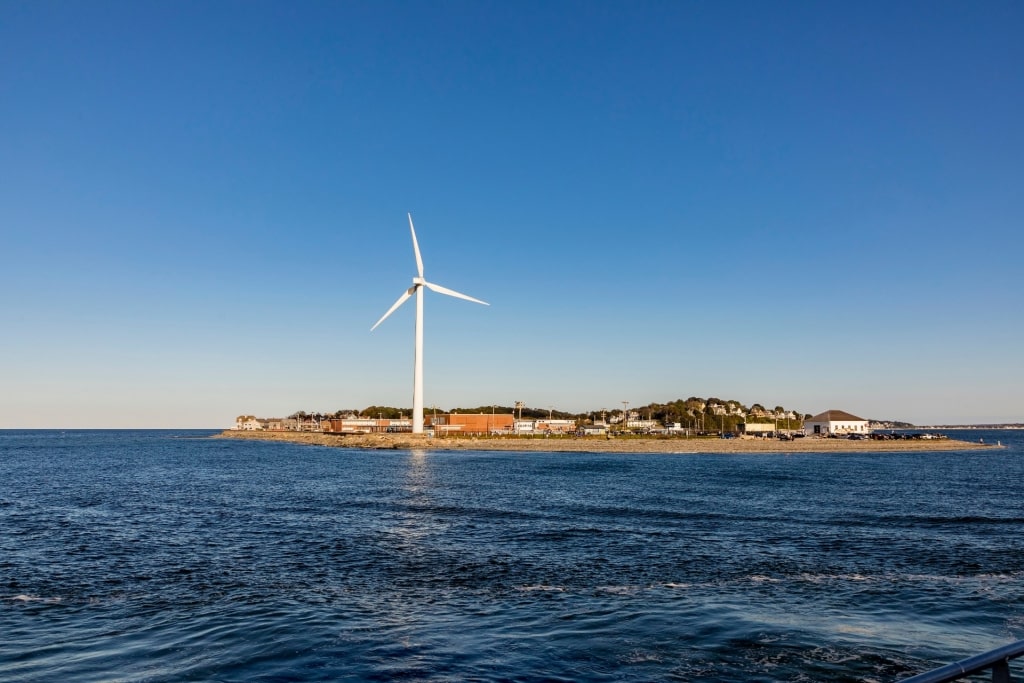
<point x="758" y="411"/>
<point x="249" y="423"/>
<point x="836" y="422"/>
<point x="639" y="425"/>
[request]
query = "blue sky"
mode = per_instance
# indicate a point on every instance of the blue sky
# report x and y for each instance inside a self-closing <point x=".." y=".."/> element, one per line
<point x="202" y="206"/>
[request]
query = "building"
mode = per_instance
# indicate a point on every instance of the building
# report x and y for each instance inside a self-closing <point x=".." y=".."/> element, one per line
<point x="524" y="426"/>
<point x="758" y="411"/>
<point x="552" y="426"/>
<point x="365" y="425"/>
<point x="836" y="422"/>
<point x="249" y="423"/>
<point x="472" y="423"/>
<point x="645" y="426"/>
<point x="758" y="428"/>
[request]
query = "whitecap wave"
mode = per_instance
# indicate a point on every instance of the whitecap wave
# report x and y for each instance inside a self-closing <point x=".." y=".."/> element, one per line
<point x="32" y="598"/>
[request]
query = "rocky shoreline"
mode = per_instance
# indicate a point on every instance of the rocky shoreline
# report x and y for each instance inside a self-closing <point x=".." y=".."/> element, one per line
<point x="602" y="444"/>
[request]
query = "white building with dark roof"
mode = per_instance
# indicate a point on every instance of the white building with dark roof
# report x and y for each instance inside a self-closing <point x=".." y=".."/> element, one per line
<point x="836" y="422"/>
<point x="249" y="423"/>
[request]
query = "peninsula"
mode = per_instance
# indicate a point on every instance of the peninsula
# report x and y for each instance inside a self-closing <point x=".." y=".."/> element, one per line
<point x="599" y="444"/>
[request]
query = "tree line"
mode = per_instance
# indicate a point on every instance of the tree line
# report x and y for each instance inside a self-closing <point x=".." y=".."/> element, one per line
<point x="692" y="413"/>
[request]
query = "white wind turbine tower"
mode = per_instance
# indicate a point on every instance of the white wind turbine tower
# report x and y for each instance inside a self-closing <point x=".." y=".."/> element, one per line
<point x="418" y="283"/>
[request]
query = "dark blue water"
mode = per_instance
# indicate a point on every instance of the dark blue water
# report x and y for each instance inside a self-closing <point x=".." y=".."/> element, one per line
<point x="168" y="556"/>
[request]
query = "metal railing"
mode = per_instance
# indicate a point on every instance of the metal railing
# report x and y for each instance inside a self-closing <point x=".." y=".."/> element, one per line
<point x="997" y="660"/>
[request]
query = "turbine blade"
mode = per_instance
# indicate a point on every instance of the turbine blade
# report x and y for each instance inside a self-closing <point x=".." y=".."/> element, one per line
<point x="416" y="247"/>
<point x="401" y="300"/>
<point x="451" y="292"/>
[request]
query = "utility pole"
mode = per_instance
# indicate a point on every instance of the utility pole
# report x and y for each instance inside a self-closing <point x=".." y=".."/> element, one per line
<point x="625" y="416"/>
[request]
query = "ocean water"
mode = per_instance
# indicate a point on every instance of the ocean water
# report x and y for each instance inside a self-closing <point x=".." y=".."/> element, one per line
<point x="170" y="556"/>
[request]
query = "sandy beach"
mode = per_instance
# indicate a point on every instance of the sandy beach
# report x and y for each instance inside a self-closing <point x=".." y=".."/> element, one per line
<point x="602" y="444"/>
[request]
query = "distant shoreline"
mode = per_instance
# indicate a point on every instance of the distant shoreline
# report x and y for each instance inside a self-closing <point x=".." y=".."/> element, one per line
<point x="593" y="444"/>
<point x="990" y="428"/>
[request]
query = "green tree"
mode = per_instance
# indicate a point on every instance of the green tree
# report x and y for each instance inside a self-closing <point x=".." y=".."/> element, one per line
<point x="385" y="412"/>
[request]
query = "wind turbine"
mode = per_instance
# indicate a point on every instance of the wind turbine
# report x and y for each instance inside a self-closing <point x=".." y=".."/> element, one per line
<point x="418" y="283"/>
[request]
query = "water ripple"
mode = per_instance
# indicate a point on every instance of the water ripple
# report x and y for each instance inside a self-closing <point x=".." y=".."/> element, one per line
<point x="159" y="556"/>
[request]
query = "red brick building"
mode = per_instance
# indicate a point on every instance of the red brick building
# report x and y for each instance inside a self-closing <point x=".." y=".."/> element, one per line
<point x="471" y="423"/>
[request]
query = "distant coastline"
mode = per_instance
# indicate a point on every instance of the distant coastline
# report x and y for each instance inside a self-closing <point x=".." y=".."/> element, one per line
<point x="1003" y="426"/>
<point x="604" y="445"/>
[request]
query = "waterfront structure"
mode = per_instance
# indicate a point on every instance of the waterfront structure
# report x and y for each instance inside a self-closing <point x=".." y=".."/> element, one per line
<point x="418" y="283"/>
<point x="838" y="422"/>
<point x="639" y="425"/>
<point x="473" y="423"/>
<point x="524" y="426"/>
<point x="365" y="425"/>
<point x="249" y="423"/>
<point x="552" y="426"/>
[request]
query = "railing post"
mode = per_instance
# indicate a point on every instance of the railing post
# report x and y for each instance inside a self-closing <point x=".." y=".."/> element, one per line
<point x="1001" y="672"/>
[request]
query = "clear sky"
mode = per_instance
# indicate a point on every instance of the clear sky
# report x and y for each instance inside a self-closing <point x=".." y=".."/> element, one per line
<point x="812" y="204"/>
